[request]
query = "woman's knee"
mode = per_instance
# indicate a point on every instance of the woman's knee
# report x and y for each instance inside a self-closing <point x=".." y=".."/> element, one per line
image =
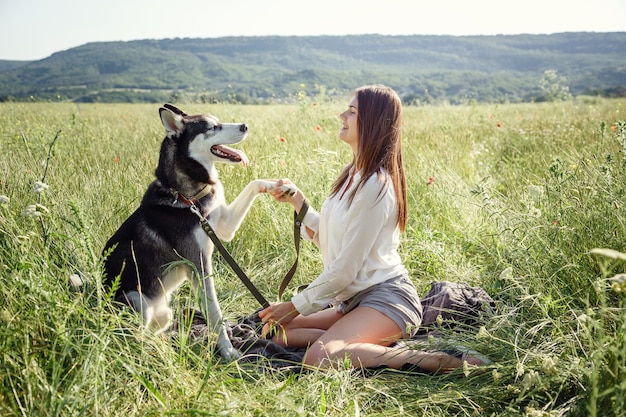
<point x="323" y="355"/>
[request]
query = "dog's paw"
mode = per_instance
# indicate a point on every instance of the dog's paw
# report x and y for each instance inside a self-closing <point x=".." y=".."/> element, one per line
<point x="287" y="190"/>
<point x="229" y="354"/>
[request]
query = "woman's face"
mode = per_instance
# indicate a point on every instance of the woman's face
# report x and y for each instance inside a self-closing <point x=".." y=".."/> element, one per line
<point x="349" y="132"/>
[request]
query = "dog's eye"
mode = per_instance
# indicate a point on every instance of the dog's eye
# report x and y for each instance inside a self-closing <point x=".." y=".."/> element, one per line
<point x="217" y="127"/>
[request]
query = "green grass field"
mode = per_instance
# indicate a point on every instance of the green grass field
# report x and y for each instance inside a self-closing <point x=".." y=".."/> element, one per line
<point x="513" y="198"/>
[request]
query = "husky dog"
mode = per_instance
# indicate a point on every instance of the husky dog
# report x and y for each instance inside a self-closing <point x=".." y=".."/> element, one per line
<point x="142" y="253"/>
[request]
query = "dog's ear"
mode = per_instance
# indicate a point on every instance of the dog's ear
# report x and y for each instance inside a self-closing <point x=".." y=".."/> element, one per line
<point x="173" y="122"/>
<point x="174" y="109"/>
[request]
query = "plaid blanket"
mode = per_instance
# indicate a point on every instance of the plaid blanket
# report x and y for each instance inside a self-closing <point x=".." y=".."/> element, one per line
<point x="446" y="305"/>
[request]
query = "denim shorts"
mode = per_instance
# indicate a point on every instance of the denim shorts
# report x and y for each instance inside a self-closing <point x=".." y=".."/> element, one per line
<point x="396" y="298"/>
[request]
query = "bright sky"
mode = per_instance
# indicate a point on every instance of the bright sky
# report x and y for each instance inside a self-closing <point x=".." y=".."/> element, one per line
<point x="34" y="29"/>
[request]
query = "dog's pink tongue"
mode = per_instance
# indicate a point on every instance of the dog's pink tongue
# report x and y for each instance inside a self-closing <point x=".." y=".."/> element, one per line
<point x="230" y="153"/>
<point x="244" y="159"/>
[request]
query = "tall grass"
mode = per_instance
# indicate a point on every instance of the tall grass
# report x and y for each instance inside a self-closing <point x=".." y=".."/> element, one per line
<point x="513" y="198"/>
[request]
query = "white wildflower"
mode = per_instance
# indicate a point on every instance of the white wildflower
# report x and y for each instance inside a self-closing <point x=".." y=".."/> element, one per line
<point x="506" y="274"/>
<point x="534" y="212"/>
<point x="495" y="375"/>
<point x="618" y="283"/>
<point x="482" y="333"/>
<point x="548" y="365"/>
<point x="76" y="282"/>
<point x="40" y="187"/>
<point x="531" y="380"/>
<point x="466" y="369"/>
<point x="535" y="192"/>
<point x="4" y="199"/>
<point x="35" y="210"/>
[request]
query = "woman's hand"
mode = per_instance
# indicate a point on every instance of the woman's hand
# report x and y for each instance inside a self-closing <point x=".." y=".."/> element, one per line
<point x="278" y="314"/>
<point x="293" y="196"/>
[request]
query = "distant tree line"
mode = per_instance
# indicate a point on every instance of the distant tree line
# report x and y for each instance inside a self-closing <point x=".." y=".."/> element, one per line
<point x="257" y="70"/>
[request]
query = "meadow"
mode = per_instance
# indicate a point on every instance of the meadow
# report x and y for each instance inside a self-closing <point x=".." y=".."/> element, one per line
<point x="524" y="200"/>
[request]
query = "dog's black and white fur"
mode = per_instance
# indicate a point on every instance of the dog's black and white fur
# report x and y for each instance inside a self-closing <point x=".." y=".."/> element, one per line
<point x="164" y="230"/>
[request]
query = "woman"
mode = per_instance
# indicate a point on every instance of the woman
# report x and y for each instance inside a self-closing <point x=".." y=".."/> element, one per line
<point x="358" y="232"/>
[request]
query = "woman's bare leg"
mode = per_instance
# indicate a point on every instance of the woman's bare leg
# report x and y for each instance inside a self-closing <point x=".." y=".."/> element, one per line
<point x="304" y="330"/>
<point x="364" y="335"/>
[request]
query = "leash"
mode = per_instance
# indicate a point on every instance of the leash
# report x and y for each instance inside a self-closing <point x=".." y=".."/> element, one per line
<point x="206" y="226"/>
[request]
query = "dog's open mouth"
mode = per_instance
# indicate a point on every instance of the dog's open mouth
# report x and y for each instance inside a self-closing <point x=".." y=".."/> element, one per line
<point x="231" y="154"/>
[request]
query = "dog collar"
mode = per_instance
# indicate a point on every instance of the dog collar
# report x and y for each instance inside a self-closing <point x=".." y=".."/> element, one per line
<point x="193" y="200"/>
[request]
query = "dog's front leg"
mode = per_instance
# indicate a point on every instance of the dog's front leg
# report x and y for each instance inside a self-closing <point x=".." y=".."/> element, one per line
<point x="227" y="219"/>
<point x="215" y="320"/>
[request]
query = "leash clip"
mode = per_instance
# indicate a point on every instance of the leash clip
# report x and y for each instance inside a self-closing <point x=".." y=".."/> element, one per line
<point x="195" y="210"/>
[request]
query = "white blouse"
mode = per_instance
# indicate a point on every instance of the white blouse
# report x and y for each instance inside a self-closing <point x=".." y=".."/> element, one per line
<point x="359" y="244"/>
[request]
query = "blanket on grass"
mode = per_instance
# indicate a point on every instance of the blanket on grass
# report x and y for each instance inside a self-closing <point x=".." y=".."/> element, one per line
<point x="446" y="305"/>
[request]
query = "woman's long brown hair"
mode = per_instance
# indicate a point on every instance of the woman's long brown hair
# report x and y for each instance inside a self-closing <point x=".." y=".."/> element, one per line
<point x="379" y="122"/>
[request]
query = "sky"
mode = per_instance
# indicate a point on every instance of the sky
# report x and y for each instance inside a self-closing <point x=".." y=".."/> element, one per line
<point x="35" y="29"/>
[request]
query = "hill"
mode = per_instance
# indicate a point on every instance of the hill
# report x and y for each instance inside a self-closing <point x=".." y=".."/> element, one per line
<point x="506" y="68"/>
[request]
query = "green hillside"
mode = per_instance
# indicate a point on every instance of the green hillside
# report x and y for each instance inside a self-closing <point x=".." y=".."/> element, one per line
<point x="272" y="69"/>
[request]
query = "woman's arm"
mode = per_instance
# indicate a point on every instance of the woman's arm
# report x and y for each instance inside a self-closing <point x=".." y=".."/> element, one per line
<point x="368" y="214"/>
<point x="296" y="200"/>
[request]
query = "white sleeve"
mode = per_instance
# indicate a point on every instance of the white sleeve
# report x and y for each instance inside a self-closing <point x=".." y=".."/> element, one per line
<point x="367" y="214"/>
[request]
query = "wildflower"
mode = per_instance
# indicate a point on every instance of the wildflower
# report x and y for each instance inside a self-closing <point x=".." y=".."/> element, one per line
<point x="495" y="375"/>
<point x="431" y="180"/>
<point x="619" y="283"/>
<point x="549" y="365"/>
<point x="116" y="160"/>
<point x="482" y="333"/>
<point x="535" y="192"/>
<point x="35" y="210"/>
<point x="534" y="212"/>
<point x="507" y="273"/>
<point x="6" y="316"/>
<point x="40" y="187"/>
<point x="466" y="369"/>
<point x="282" y="139"/>
<point x="75" y="281"/>
<point x="531" y="380"/>
<point x="499" y="124"/>
<point x="4" y="199"/>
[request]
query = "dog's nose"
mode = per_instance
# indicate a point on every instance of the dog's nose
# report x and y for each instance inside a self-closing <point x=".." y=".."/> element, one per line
<point x="243" y="127"/>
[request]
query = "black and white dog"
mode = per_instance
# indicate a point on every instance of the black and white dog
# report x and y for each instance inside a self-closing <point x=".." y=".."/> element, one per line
<point x="164" y="230"/>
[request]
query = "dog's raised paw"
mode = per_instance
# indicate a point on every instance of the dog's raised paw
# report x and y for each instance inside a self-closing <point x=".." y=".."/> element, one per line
<point x="287" y="190"/>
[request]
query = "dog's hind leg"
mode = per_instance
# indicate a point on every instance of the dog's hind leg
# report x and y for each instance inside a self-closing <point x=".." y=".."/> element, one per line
<point x="156" y="315"/>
